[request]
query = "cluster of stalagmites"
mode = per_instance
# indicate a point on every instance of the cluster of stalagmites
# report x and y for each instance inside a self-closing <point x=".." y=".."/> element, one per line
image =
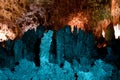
<point x="60" y="55"/>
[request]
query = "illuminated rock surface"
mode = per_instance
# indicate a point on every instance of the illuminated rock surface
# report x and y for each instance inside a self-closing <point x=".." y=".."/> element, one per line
<point x="28" y="14"/>
<point x="45" y="46"/>
<point x="66" y="55"/>
<point x="71" y="60"/>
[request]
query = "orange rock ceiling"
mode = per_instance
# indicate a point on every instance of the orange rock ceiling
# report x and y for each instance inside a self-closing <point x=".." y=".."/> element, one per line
<point x="54" y="14"/>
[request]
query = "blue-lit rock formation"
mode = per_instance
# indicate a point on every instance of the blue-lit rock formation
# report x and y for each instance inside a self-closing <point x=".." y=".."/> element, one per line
<point x="45" y="47"/>
<point x="26" y="70"/>
<point x="74" y="45"/>
<point x="18" y="50"/>
<point x="60" y="55"/>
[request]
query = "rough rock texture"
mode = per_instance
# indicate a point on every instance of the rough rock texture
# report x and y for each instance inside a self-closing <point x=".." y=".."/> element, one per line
<point x="27" y="70"/>
<point x="45" y="47"/>
<point x="18" y="50"/>
<point x="115" y="10"/>
<point x="28" y="14"/>
<point x="20" y="16"/>
<point x="8" y="8"/>
<point x="13" y="51"/>
<point x="8" y="31"/>
<point x="75" y="57"/>
<point x="74" y="45"/>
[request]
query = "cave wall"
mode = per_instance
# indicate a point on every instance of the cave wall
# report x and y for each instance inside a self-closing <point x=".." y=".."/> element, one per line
<point x="90" y="15"/>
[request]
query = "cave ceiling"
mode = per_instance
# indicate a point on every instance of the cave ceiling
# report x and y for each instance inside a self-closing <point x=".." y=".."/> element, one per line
<point x="22" y="15"/>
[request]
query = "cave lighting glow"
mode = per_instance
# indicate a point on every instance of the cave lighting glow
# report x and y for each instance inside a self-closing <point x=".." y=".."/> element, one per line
<point x="117" y="31"/>
<point x="6" y="33"/>
<point x="77" y="20"/>
<point x="103" y="33"/>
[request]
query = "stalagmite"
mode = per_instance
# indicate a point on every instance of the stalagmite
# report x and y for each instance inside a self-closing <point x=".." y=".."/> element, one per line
<point x="45" y="47"/>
